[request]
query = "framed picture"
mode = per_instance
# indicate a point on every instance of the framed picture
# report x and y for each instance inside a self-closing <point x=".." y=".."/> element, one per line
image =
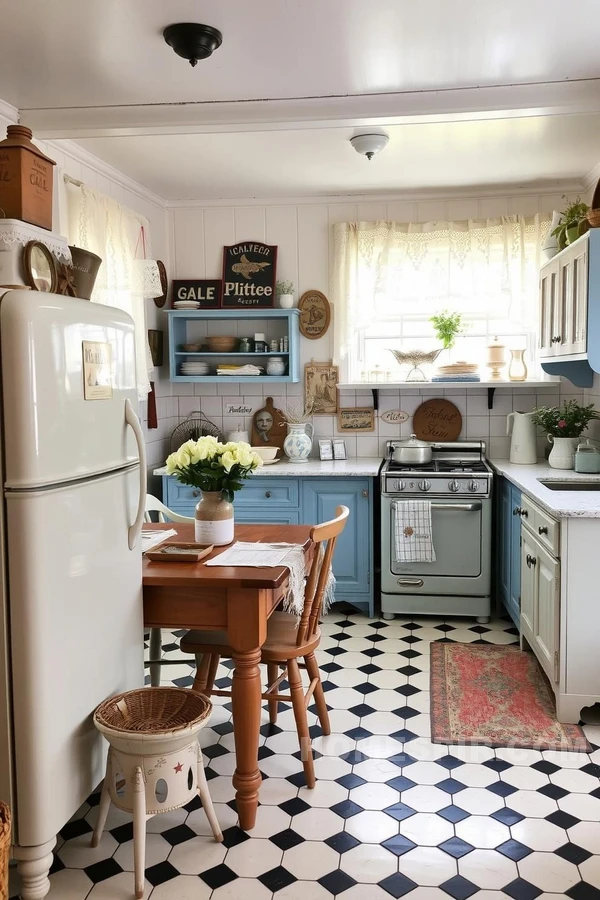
<point x="39" y="267"/>
<point x="339" y="449"/>
<point x="206" y="292"/>
<point x="325" y="450"/>
<point x="249" y="273"/>
<point x="320" y="388"/>
<point x="359" y="418"/>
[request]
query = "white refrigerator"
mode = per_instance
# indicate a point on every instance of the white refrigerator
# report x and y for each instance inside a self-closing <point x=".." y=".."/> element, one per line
<point x="74" y="483"/>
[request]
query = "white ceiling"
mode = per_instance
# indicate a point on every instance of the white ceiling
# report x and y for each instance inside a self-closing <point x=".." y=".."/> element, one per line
<point x="319" y="162"/>
<point x="472" y="92"/>
<point x="111" y="52"/>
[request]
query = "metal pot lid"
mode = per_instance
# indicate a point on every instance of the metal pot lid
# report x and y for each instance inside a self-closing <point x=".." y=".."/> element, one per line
<point x="413" y="441"/>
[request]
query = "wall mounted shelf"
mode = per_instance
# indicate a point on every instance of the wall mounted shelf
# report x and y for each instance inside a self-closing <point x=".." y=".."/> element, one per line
<point x="431" y="386"/>
<point x="194" y="326"/>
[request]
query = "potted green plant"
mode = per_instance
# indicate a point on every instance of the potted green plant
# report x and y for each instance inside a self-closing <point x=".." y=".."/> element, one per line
<point x="571" y="222"/>
<point x="285" y="294"/>
<point x="564" y="425"/>
<point x="447" y="327"/>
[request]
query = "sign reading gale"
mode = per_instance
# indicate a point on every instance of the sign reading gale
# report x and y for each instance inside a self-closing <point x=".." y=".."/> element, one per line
<point x="206" y="292"/>
<point x="249" y="273"/>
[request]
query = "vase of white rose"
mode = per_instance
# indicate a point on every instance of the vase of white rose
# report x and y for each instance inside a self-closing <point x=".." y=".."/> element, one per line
<point x="218" y="470"/>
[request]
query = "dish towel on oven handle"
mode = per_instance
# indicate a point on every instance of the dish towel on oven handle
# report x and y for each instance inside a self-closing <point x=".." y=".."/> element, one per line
<point x="244" y="553"/>
<point x="413" y="537"/>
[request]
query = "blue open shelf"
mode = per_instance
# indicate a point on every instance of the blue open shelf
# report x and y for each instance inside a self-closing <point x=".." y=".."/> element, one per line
<point x="187" y="326"/>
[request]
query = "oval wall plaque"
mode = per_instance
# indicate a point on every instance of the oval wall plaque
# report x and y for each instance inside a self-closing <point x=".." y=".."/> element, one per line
<point x="437" y="420"/>
<point x="394" y="416"/>
<point x="315" y="314"/>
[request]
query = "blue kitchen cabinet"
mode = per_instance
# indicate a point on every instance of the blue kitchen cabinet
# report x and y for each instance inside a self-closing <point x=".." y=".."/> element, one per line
<point x="508" y="559"/>
<point x="354" y="548"/>
<point x="306" y="501"/>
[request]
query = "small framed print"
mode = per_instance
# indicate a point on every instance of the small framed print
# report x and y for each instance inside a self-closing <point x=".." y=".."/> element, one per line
<point x="97" y="384"/>
<point x="339" y="449"/>
<point x="356" y="419"/>
<point x="325" y="450"/>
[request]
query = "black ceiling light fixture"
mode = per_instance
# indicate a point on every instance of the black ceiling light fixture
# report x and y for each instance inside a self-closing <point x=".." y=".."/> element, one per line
<point x="193" y="41"/>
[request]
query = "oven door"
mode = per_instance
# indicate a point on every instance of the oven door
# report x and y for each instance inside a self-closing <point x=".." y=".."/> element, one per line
<point x="457" y="541"/>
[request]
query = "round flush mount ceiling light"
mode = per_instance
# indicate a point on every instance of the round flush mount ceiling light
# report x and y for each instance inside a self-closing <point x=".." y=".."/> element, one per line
<point x="192" y="41"/>
<point x="369" y="144"/>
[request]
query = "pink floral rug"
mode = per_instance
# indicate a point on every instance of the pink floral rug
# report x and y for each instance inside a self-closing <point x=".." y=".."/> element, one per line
<point x="495" y="695"/>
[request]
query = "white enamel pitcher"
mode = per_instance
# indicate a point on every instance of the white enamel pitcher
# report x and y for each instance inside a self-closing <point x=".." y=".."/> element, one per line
<point x="523" y="444"/>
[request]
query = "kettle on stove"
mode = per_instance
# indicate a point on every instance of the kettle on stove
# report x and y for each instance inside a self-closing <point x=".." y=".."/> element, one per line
<point x="523" y="444"/>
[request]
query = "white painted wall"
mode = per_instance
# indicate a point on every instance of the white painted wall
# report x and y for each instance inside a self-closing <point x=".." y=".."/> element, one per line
<point x="302" y="231"/>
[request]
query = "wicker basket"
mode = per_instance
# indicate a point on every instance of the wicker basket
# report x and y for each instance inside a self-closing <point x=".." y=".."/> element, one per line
<point x="593" y="218"/>
<point x="155" y="711"/>
<point x="4" y="849"/>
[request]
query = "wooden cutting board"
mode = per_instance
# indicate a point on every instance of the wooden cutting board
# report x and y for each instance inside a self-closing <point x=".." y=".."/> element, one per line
<point x="437" y="420"/>
<point x="269" y="428"/>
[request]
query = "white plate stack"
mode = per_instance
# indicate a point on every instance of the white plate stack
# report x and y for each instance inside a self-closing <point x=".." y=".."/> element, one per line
<point x="186" y="304"/>
<point x="194" y="367"/>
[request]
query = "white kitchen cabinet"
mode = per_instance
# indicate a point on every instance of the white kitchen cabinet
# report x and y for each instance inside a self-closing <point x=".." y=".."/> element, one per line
<point x="540" y="593"/>
<point x="547" y="612"/>
<point x="528" y="586"/>
<point x="548" y="303"/>
<point x="563" y="325"/>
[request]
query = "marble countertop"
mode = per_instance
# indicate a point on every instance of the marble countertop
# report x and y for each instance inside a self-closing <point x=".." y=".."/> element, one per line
<point x="365" y="466"/>
<point x="564" y="504"/>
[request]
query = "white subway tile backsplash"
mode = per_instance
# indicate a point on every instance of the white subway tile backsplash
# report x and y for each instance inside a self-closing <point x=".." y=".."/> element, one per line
<point x="478" y="427"/>
<point x="230" y="388"/>
<point x="499" y="447"/>
<point x="367" y="445"/>
<point x="477" y="404"/>
<point x="204" y="390"/>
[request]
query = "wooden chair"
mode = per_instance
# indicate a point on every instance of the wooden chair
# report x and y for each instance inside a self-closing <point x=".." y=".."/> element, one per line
<point x="288" y="641"/>
<point x="163" y="514"/>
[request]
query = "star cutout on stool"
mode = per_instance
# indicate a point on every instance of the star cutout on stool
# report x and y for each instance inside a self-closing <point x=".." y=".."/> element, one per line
<point x="178" y="768"/>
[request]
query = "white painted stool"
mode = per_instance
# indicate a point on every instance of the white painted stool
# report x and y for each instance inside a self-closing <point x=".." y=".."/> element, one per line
<point x="154" y="761"/>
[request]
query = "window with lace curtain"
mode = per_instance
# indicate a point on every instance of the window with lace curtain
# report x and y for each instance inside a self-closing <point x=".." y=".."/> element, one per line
<point x="115" y="233"/>
<point x="390" y="278"/>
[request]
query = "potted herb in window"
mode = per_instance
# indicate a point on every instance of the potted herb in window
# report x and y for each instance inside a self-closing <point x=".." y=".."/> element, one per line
<point x="447" y="327"/>
<point x="285" y="294"/>
<point x="564" y="425"/>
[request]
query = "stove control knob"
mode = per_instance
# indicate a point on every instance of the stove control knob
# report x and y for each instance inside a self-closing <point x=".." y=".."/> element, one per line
<point x="453" y="485"/>
<point x="473" y="486"/>
<point x="424" y="485"/>
<point x="399" y="485"/>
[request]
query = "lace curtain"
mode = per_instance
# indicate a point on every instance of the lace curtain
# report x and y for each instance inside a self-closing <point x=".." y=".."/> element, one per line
<point x="100" y="224"/>
<point x="387" y="270"/>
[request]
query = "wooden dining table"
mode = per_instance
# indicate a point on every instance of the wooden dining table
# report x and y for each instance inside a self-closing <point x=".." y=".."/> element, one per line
<point x="238" y="601"/>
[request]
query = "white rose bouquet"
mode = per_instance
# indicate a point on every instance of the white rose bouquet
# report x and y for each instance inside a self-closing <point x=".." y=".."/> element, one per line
<point x="212" y="466"/>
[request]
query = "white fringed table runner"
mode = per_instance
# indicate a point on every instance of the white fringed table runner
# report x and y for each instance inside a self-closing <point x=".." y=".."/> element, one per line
<point x="257" y="555"/>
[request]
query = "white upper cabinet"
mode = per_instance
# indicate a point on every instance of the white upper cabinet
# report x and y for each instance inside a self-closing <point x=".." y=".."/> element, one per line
<point x="563" y="328"/>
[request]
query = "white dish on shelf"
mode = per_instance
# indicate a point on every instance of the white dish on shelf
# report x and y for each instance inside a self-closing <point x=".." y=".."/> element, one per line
<point x="271" y="462"/>
<point x="186" y="304"/>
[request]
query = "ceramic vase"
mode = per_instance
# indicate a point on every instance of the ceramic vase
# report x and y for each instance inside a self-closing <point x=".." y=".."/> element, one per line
<point x="563" y="452"/>
<point x="298" y="444"/>
<point x="517" y="370"/>
<point x="550" y="245"/>
<point x="213" y="520"/>
<point x="286" y="301"/>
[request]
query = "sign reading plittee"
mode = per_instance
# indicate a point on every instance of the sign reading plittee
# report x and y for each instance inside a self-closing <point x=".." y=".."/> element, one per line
<point x="249" y="273"/>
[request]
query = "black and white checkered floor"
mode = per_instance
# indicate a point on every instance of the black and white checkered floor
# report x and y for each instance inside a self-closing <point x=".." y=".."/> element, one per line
<point x="392" y="814"/>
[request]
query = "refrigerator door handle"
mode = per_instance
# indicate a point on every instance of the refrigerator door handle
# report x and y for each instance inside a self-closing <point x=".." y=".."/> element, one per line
<point x="132" y="420"/>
